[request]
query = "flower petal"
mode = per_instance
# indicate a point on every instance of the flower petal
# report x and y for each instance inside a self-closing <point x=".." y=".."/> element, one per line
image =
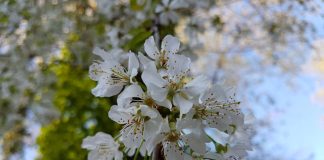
<point x="177" y="66"/>
<point x="94" y="155"/>
<point x="170" y="44"/>
<point x="151" y="77"/>
<point x="159" y="8"/>
<point x="102" y="53"/>
<point x="91" y="142"/>
<point x="166" y="103"/>
<point x="128" y="93"/>
<point x="173" y="151"/>
<point x="183" y="104"/>
<point x="165" y="2"/>
<point x="88" y="143"/>
<point x="152" y="142"/>
<point x="164" y="18"/>
<point x="133" y="63"/>
<point x="95" y="71"/>
<point x="197" y="86"/>
<point x="151" y="128"/>
<point x="150" y="48"/>
<point x="195" y="142"/>
<point x="147" y="111"/>
<point x="132" y="135"/>
<point x="175" y="4"/>
<point x="118" y="115"/>
<point x="146" y="63"/>
<point x="159" y="94"/>
<point x="216" y="92"/>
<point x="105" y="90"/>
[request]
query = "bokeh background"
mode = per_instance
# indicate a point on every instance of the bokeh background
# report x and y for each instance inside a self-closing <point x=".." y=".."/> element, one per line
<point x="271" y="52"/>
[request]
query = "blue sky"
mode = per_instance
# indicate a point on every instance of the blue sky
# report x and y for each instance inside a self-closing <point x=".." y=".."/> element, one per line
<point x="298" y="129"/>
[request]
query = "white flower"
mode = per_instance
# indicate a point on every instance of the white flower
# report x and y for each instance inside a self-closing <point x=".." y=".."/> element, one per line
<point x="217" y="111"/>
<point x="173" y="83"/>
<point x="102" y="147"/>
<point x="111" y="74"/>
<point x="170" y="45"/>
<point x="167" y="10"/>
<point x="174" y="140"/>
<point x="166" y="107"/>
<point x="140" y="123"/>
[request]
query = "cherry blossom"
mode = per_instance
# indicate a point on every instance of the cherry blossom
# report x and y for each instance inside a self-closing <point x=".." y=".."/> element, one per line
<point x="102" y="147"/>
<point x="161" y="104"/>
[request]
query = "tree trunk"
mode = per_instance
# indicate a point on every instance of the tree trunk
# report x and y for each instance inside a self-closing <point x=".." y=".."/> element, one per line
<point x="158" y="153"/>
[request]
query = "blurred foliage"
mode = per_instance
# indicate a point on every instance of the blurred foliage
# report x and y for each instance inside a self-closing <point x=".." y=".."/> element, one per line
<point x="81" y="113"/>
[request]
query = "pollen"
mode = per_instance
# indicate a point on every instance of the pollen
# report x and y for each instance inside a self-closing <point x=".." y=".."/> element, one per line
<point x="150" y="102"/>
<point x="173" y="136"/>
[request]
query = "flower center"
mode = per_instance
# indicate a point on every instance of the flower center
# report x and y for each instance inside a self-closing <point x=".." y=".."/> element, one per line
<point x="203" y="113"/>
<point x="150" y="102"/>
<point x="163" y="59"/>
<point x="119" y="76"/>
<point x="173" y="136"/>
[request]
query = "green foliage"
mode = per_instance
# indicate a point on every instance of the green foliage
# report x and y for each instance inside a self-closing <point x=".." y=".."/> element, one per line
<point x="81" y="113"/>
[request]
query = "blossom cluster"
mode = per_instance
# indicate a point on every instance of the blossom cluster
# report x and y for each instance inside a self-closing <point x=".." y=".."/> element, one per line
<point x="164" y="109"/>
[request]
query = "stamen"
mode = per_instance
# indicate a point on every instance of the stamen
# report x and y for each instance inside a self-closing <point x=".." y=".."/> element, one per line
<point x="119" y="76"/>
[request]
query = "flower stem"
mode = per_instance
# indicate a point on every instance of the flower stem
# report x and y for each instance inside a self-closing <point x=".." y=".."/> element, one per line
<point x="138" y="150"/>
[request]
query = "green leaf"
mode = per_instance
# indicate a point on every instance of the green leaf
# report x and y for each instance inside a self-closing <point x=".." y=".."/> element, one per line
<point x="136" y="6"/>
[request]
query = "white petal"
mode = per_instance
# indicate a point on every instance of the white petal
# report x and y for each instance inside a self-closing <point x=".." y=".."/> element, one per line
<point x="197" y="86"/>
<point x="91" y="142"/>
<point x="187" y="124"/>
<point x="177" y="66"/>
<point x="195" y="143"/>
<point x="216" y="92"/>
<point x="152" y="143"/>
<point x="94" y="155"/>
<point x="103" y="137"/>
<point x="172" y="151"/>
<point x="218" y="136"/>
<point x="95" y="71"/>
<point x="151" y="128"/>
<point x="147" y="111"/>
<point x="159" y="8"/>
<point x="157" y="93"/>
<point x="150" y="48"/>
<point x="165" y="2"/>
<point x="102" y="53"/>
<point x="183" y="104"/>
<point x="118" y="155"/>
<point x="133" y="63"/>
<point x="105" y="90"/>
<point x="170" y="44"/>
<point x="173" y="16"/>
<point x="118" y="115"/>
<point x="88" y="143"/>
<point x="151" y="77"/>
<point x="147" y="63"/>
<point x="133" y="73"/>
<point x="166" y="103"/>
<point x="175" y="4"/>
<point x="132" y="135"/>
<point x="130" y="91"/>
<point x="164" y="18"/>
<point x="165" y="126"/>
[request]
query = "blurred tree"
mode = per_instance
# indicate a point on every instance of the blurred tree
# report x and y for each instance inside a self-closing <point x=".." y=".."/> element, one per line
<point x="81" y="113"/>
